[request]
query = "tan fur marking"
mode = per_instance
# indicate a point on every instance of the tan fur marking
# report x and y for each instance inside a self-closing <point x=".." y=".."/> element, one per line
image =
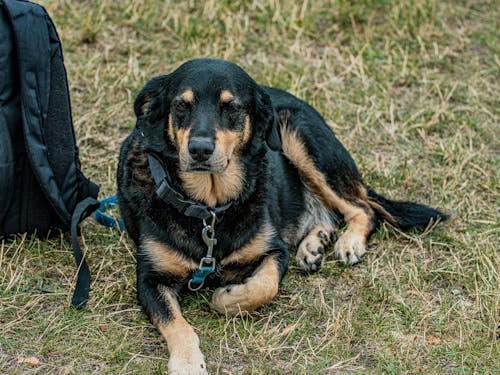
<point x="231" y="141"/>
<point x="188" y="96"/>
<point x="361" y="225"/>
<point x="258" y="290"/>
<point x="226" y="96"/>
<point x="182" y="139"/>
<point x="170" y="129"/>
<point x="252" y="250"/>
<point x="164" y="259"/>
<point x="226" y="140"/>
<point x="183" y="343"/>
<point x="295" y="150"/>
<point x="215" y="188"/>
<point x="245" y="136"/>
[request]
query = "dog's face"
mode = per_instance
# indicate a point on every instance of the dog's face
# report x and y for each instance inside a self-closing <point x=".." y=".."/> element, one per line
<point x="208" y="124"/>
<point x="209" y="111"/>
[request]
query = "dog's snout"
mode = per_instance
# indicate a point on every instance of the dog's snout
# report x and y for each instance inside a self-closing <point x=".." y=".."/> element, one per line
<point x="201" y="148"/>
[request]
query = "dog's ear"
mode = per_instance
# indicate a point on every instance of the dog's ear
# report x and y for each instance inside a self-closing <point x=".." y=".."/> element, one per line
<point x="148" y="97"/>
<point x="266" y="116"/>
<point x="273" y="138"/>
<point x="151" y="108"/>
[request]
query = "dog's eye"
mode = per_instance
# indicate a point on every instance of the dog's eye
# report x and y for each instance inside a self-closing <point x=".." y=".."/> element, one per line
<point x="230" y="106"/>
<point x="182" y="107"/>
<point x="231" y="109"/>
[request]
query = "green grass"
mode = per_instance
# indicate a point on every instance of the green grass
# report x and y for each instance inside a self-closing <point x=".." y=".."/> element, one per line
<point x="410" y="87"/>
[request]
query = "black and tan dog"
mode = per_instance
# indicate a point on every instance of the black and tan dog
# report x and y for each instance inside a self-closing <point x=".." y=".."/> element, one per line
<point x="219" y="179"/>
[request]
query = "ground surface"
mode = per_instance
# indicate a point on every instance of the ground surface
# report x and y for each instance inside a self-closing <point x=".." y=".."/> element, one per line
<point x="410" y="87"/>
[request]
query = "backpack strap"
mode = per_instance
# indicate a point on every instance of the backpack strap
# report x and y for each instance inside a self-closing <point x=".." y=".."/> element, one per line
<point x="11" y="117"/>
<point x="6" y="168"/>
<point x="82" y="287"/>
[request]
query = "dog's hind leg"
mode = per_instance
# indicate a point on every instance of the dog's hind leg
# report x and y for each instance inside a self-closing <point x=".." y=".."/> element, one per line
<point x="331" y="175"/>
<point x="350" y="246"/>
<point x="312" y="233"/>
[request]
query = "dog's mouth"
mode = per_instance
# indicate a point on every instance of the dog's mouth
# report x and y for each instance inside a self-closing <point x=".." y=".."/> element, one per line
<point x="205" y="167"/>
<point x="217" y="162"/>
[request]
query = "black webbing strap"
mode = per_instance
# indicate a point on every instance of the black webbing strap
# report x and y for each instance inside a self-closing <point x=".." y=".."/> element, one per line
<point x="169" y="195"/>
<point x="82" y="287"/>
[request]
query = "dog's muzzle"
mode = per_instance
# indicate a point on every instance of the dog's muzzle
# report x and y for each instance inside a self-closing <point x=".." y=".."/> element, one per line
<point x="202" y="157"/>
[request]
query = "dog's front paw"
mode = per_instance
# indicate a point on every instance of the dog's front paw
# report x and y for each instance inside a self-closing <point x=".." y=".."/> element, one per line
<point x="350" y="248"/>
<point x="231" y="300"/>
<point x="241" y="299"/>
<point x="192" y="364"/>
<point x="254" y="292"/>
<point x="311" y="251"/>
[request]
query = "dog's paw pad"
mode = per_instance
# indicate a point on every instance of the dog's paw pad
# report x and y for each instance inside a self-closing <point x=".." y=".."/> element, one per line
<point x="325" y="237"/>
<point x="310" y="260"/>
<point x="350" y="248"/>
<point x="311" y="252"/>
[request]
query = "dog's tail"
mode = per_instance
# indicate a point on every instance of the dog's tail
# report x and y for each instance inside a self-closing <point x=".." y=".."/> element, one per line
<point x="404" y="215"/>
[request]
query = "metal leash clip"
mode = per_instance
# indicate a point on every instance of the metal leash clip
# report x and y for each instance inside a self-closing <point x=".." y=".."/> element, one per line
<point x="207" y="263"/>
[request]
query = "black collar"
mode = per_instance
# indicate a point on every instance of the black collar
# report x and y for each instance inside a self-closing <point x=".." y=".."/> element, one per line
<point x="170" y="196"/>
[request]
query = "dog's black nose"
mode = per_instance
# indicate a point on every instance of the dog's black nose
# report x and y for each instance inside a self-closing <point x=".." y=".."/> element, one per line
<point x="201" y="148"/>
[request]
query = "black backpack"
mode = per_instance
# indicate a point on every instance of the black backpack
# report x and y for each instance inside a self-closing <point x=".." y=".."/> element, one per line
<point x="42" y="189"/>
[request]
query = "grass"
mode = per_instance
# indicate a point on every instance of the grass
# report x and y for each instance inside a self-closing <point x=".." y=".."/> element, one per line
<point x="410" y="87"/>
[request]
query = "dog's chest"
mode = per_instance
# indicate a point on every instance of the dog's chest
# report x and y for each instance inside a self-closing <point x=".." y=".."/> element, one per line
<point x="231" y="248"/>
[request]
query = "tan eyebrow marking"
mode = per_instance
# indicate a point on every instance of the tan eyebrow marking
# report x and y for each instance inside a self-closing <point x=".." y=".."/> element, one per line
<point x="188" y="96"/>
<point x="226" y="96"/>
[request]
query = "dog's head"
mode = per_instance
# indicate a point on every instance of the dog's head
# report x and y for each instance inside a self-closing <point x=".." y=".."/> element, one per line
<point x="207" y="113"/>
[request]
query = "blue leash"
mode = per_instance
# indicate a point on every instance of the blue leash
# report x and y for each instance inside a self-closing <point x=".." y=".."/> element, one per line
<point x="107" y="220"/>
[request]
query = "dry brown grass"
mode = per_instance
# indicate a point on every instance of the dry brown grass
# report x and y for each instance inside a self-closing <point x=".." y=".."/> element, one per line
<point x="410" y="87"/>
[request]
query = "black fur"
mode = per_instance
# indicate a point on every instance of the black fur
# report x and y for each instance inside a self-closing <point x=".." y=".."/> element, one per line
<point x="408" y="215"/>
